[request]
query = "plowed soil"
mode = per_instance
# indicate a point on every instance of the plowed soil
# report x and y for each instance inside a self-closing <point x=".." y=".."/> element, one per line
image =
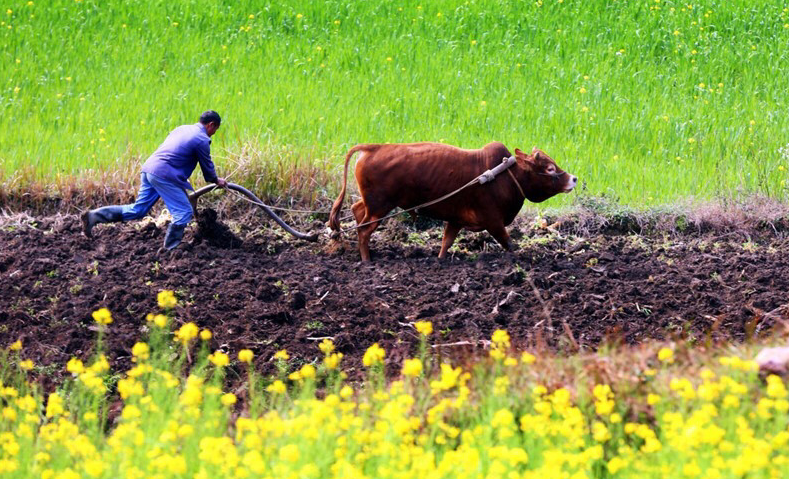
<point x="255" y="287"/>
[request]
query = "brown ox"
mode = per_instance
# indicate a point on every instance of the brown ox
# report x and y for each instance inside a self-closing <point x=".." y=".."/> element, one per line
<point x="408" y="175"/>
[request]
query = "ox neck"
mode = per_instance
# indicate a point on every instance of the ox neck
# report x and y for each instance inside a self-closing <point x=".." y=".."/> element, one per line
<point x="515" y="180"/>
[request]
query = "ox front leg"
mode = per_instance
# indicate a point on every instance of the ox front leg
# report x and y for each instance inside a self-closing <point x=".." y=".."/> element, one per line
<point x="500" y="234"/>
<point x="451" y="231"/>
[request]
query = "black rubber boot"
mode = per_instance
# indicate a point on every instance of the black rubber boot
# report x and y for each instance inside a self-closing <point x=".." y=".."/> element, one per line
<point x="108" y="214"/>
<point x="175" y="233"/>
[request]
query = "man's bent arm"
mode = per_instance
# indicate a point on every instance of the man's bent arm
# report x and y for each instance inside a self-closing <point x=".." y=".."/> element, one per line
<point x="206" y="165"/>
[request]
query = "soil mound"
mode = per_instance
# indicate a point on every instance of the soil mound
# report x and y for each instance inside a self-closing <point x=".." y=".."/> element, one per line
<point x="214" y="232"/>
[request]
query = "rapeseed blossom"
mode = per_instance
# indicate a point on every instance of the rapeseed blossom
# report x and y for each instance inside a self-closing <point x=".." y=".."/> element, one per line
<point x="246" y="356"/>
<point x="425" y="328"/>
<point x="140" y="352"/>
<point x="374" y="355"/>
<point x="219" y="359"/>
<point x="666" y="355"/>
<point x="186" y="333"/>
<point x="277" y="387"/>
<point x="412" y="367"/>
<point x="332" y="361"/>
<point x="326" y="346"/>
<point x="102" y="316"/>
<point x="166" y="299"/>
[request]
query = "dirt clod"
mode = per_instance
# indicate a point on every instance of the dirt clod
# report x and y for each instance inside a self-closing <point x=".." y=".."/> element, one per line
<point x="214" y="232"/>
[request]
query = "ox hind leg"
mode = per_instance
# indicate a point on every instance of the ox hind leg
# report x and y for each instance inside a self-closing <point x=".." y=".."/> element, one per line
<point x="363" y="214"/>
<point x="359" y="210"/>
<point x="451" y="231"/>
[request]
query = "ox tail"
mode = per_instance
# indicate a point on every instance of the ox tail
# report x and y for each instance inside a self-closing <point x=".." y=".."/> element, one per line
<point x="334" y="216"/>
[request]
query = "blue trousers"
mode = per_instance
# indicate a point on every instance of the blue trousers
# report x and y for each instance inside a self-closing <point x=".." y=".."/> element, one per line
<point x="151" y="189"/>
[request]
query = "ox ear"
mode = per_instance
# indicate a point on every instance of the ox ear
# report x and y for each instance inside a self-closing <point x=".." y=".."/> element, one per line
<point x="535" y="152"/>
<point x="520" y="155"/>
<point x="523" y="156"/>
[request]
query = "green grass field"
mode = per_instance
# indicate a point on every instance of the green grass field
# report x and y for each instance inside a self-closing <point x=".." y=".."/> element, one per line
<point x="647" y="101"/>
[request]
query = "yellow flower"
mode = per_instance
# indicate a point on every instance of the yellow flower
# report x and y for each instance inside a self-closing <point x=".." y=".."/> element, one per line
<point x="102" y="316"/>
<point x="652" y="399"/>
<point x="374" y="355"/>
<point x="775" y="387"/>
<point x="691" y="469"/>
<point x="219" y="359"/>
<point x="424" y="327"/>
<point x="412" y="367"/>
<point x="290" y="453"/>
<point x="228" y="399"/>
<point x="130" y="412"/>
<point x="205" y="335"/>
<point x="27" y="364"/>
<point x="528" y="358"/>
<point x="332" y="361"/>
<point x="600" y="432"/>
<point x="140" y="352"/>
<point x="94" y="467"/>
<point x="281" y="354"/>
<point x="346" y="392"/>
<point x="160" y="320"/>
<point x="166" y="299"/>
<point x="501" y="339"/>
<point x="327" y="346"/>
<point x="254" y="461"/>
<point x="9" y="413"/>
<point x="582" y="90"/>
<point x="54" y="405"/>
<point x="277" y="387"/>
<point x="666" y="355"/>
<point x="245" y="356"/>
<point x="615" y="464"/>
<point x="16" y="345"/>
<point x="186" y="333"/>
<point x="307" y="371"/>
<point x="75" y="366"/>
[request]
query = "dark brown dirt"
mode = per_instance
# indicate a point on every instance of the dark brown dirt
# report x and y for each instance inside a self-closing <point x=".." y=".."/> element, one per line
<point x="270" y="292"/>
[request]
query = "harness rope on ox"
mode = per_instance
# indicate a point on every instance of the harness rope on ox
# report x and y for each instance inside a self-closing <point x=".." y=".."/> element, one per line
<point x="485" y="177"/>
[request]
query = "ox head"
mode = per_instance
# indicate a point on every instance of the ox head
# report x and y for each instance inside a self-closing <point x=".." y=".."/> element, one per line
<point x="545" y="178"/>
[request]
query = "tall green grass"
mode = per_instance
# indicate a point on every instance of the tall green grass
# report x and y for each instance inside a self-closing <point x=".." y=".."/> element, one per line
<point x="648" y="101"/>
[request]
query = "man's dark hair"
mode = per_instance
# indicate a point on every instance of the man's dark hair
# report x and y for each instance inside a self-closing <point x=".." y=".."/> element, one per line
<point x="210" y="116"/>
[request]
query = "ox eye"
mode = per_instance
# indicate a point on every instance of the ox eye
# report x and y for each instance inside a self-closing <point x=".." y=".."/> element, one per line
<point x="550" y="170"/>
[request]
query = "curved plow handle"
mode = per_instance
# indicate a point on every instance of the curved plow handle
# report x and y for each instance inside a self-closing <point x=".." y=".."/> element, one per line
<point x="193" y="197"/>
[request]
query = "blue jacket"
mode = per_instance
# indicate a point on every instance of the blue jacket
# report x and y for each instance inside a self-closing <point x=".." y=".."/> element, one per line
<point x="176" y="158"/>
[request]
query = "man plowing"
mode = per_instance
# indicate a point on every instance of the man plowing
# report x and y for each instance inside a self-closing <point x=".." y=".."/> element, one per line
<point x="165" y="175"/>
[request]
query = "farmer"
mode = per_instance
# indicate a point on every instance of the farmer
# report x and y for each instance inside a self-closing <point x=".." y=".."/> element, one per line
<point x="165" y="175"/>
